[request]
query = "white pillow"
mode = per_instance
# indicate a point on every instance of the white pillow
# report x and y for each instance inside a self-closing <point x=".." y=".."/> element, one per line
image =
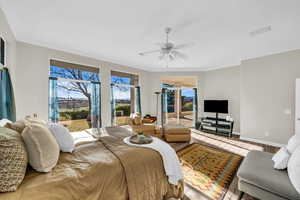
<point x="294" y="169"/>
<point x="3" y="122"/>
<point x="281" y="158"/>
<point x="293" y="143"/>
<point x="62" y="136"/>
<point x="41" y="146"/>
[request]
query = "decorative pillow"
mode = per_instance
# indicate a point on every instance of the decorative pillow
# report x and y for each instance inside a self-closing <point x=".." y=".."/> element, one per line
<point x="62" y="136"/>
<point x="137" y="120"/>
<point x="13" y="160"/>
<point x="42" y="148"/>
<point x="293" y="143"/>
<point x="281" y="158"/>
<point x="17" y="126"/>
<point x="3" y="122"/>
<point x="294" y="169"/>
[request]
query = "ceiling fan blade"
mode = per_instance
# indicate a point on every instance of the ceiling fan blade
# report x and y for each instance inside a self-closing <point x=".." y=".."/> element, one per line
<point x="162" y="56"/>
<point x="148" y="52"/>
<point x="178" y="54"/>
<point x="181" y="46"/>
<point x="172" y="57"/>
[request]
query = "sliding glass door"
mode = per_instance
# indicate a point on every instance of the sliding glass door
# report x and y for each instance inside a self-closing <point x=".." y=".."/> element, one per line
<point x="179" y="106"/>
<point x="188" y="106"/>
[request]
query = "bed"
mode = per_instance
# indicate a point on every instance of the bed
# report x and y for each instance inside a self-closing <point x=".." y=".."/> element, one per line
<point x="105" y="169"/>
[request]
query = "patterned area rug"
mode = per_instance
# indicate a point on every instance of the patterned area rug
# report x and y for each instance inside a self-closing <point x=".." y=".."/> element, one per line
<point x="208" y="170"/>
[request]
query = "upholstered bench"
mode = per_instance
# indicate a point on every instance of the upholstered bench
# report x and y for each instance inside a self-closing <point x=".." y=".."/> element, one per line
<point x="258" y="178"/>
<point x="177" y="133"/>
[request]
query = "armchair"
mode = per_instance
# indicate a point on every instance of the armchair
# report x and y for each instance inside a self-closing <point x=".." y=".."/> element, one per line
<point x="137" y="124"/>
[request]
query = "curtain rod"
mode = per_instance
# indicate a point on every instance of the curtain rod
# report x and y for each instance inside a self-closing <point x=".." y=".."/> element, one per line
<point x="178" y="88"/>
<point x="124" y="85"/>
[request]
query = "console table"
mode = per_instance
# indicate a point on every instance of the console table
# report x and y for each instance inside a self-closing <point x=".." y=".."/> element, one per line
<point x="216" y="125"/>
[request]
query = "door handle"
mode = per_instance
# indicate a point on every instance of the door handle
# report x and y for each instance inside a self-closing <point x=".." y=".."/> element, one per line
<point x="298" y="119"/>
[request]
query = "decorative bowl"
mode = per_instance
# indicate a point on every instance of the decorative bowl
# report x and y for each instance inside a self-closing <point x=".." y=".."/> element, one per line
<point x="141" y="139"/>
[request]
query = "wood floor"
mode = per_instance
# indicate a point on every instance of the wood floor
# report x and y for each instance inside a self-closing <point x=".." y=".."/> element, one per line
<point x="233" y="145"/>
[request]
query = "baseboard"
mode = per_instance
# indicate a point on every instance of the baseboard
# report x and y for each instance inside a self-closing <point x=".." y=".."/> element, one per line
<point x="262" y="141"/>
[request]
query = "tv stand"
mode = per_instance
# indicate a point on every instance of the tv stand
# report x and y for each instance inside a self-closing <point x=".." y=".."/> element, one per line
<point x="216" y="125"/>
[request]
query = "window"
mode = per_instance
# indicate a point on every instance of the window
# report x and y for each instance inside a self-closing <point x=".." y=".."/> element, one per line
<point x="180" y="105"/>
<point x="74" y="99"/>
<point x="125" y="97"/>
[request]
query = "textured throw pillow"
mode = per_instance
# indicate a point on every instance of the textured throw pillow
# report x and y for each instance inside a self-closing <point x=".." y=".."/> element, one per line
<point x="42" y="148"/>
<point x="17" y="126"/>
<point x="294" y="169"/>
<point x="3" y="122"/>
<point x="137" y="120"/>
<point x="13" y="160"/>
<point x="293" y="143"/>
<point x="62" y="136"/>
<point x="281" y="158"/>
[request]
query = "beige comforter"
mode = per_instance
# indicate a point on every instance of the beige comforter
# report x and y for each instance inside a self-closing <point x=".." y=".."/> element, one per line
<point x="106" y="169"/>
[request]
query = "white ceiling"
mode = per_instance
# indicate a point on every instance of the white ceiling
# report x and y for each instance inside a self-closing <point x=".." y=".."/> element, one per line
<point x="117" y="30"/>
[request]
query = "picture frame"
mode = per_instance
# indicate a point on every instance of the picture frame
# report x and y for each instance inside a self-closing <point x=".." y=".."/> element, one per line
<point x="2" y="52"/>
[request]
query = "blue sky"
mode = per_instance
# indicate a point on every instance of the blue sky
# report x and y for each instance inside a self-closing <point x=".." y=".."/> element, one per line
<point x="64" y="93"/>
<point x="188" y="93"/>
<point x="121" y="93"/>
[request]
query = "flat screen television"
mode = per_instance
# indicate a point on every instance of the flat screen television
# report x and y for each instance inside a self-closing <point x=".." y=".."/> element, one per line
<point x="216" y="106"/>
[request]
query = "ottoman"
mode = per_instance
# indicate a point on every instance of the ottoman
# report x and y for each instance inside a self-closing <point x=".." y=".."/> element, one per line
<point x="177" y="133"/>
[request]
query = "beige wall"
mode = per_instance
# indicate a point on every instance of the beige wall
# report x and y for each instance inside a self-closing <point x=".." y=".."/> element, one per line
<point x="268" y="96"/>
<point x="261" y="93"/>
<point x="10" y="45"/>
<point x="33" y="72"/>
<point x="224" y="84"/>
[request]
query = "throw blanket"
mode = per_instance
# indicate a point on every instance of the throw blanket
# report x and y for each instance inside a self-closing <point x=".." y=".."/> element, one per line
<point x="106" y="169"/>
<point x="169" y="157"/>
<point x="144" y="171"/>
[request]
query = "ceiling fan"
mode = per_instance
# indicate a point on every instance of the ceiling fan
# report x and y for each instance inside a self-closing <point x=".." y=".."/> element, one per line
<point x="168" y="51"/>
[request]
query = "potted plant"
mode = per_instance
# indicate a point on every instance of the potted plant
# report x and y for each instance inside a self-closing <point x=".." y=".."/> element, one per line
<point x="140" y="133"/>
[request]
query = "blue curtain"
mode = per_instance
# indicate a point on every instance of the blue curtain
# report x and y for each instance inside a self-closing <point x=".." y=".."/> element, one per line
<point x="53" y="100"/>
<point x="7" y="101"/>
<point x="138" y="106"/>
<point x="113" y="105"/>
<point x="96" y="105"/>
<point x="195" y="106"/>
<point x="164" y="105"/>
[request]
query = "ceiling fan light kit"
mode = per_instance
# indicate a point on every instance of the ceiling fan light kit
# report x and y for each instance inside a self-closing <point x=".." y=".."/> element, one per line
<point x="168" y="51"/>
